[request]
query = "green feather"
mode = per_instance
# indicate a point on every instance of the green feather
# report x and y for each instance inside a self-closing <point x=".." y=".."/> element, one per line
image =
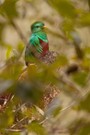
<point x="42" y="35"/>
<point x="38" y="33"/>
<point x="34" y="40"/>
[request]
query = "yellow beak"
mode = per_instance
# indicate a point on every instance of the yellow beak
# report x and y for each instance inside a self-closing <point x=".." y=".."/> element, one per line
<point x="44" y="27"/>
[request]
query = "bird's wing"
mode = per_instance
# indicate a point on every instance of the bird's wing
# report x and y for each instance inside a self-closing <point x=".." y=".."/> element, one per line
<point x="34" y="41"/>
<point x="33" y="49"/>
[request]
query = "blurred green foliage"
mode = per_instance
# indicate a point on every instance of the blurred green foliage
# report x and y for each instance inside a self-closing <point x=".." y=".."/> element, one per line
<point x="8" y="9"/>
<point x="64" y="7"/>
<point x="31" y="86"/>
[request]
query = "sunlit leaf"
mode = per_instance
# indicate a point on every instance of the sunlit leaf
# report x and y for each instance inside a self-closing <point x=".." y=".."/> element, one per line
<point x="84" y="20"/>
<point x="80" y="78"/>
<point x="67" y="26"/>
<point x="60" y="61"/>
<point x="37" y="128"/>
<point x="8" y="53"/>
<point x="15" y="133"/>
<point x="11" y="71"/>
<point x="6" y="118"/>
<point x="20" y="47"/>
<point x="87" y="50"/>
<point x="84" y="104"/>
<point x="86" y="63"/>
<point x="9" y="8"/>
<point x="64" y="7"/>
<point x="56" y="111"/>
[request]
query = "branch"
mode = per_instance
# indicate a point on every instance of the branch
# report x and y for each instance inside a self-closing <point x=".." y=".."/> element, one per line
<point x="19" y="122"/>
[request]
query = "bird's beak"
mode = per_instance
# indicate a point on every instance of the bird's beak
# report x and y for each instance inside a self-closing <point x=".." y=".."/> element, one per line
<point x="44" y="27"/>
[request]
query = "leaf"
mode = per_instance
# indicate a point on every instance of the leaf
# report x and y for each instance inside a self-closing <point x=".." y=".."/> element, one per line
<point x="37" y="128"/>
<point x="6" y="118"/>
<point x="15" y="133"/>
<point x="86" y="63"/>
<point x="84" y="20"/>
<point x="79" y="127"/>
<point x="56" y="111"/>
<point x="67" y="26"/>
<point x="8" y="8"/>
<point x="60" y="61"/>
<point x="20" y="47"/>
<point x="64" y="7"/>
<point x="80" y="78"/>
<point x="85" y="130"/>
<point x="87" y="50"/>
<point x="8" y="53"/>
<point x="84" y="104"/>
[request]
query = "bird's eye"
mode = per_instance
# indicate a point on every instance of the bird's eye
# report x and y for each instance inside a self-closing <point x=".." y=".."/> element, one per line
<point x="37" y="26"/>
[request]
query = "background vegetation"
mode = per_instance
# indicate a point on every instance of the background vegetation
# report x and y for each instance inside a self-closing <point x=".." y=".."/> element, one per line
<point x="68" y="24"/>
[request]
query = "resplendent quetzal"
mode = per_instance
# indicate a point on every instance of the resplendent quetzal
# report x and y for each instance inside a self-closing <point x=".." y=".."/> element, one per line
<point x="38" y="45"/>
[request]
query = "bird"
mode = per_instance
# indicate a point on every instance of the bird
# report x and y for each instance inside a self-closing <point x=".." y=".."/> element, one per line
<point x="38" y="45"/>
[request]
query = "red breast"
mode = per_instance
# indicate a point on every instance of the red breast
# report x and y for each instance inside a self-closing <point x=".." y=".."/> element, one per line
<point x="45" y="47"/>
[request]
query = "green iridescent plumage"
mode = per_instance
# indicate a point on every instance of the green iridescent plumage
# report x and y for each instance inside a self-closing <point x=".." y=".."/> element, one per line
<point x="35" y="46"/>
<point x="34" y="39"/>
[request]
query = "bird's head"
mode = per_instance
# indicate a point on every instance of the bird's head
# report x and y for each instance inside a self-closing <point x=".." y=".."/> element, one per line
<point x="37" y="26"/>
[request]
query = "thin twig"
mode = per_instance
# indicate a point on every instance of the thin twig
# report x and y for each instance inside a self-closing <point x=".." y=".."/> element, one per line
<point x="23" y="119"/>
<point x="14" y="130"/>
<point x="18" y="109"/>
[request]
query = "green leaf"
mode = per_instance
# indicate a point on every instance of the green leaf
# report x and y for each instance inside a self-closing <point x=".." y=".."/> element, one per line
<point x="56" y="111"/>
<point x="85" y="130"/>
<point x="80" y="78"/>
<point x="8" y="52"/>
<point x="84" y="20"/>
<point x="37" y="128"/>
<point x="87" y="50"/>
<point x="8" y="8"/>
<point x="64" y="7"/>
<point x="86" y="63"/>
<point x="68" y="26"/>
<point x="60" y="61"/>
<point x="84" y="104"/>
<point x="79" y="127"/>
<point x="6" y="118"/>
<point x="20" y="47"/>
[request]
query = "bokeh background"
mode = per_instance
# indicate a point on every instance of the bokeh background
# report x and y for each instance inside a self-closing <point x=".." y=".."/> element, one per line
<point x="68" y="26"/>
